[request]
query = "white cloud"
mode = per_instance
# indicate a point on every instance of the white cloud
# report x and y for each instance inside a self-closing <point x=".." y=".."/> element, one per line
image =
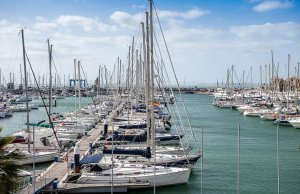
<point x="191" y="14"/>
<point x="125" y="19"/>
<point x="272" y="5"/>
<point x="40" y="19"/>
<point x="193" y="49"/>
<point x="267" y="31"/>
<point x="46" y="26"/>
<point x="88" y="24"/>
<point x="3" y="22"/>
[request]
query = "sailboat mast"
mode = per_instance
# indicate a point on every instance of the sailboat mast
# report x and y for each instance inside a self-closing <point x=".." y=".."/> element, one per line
<point x="21" y="75"/>
<point x="137" y="74"/>
<point x="272" y="80"/>
<point x="148" y="81"/>
<point x="152" y="88"/>
<point x="288" y="86"/>
<point x="128" y="96"/>
<point x="79" y="92"/>
<point x="50" y="76"/>
<point x="146" y="77"/>
<point x="26" y="89"/>
<point x="98" y="84"/>
<point x="151" y="74"/>
<point x="75" y="80"/>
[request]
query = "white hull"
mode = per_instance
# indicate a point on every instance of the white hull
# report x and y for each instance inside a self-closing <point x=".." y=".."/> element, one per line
<point x="267" y="117"/>
<point x="242" y="109"/>
<point x="39" y="158"/>
<point x="252" y="113"/>
<point x="295" y="123"/>
<point x="165" y="177"/>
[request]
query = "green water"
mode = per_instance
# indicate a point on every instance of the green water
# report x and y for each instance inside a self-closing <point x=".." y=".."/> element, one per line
<point x="18" y="120"/>
<point x="258" y="165"/>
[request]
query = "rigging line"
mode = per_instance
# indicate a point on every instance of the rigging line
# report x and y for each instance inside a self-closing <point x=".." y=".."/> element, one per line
<point x="84" y="75"/>
<point x="60" y="84"/>
<point x="248" y="75"/>
<point x="59" y="78"/>
<point x="185" y="110"/>
<point x="94" y="103"/>
<point x="3" y="78"/>
<point x="177" y="110"/>
<point x="236" y="77"/>
<point x="49" y="117"/>
<point x="180" y="139"/>
<point x="173" y="113"/>
<point x="14" y="52"/>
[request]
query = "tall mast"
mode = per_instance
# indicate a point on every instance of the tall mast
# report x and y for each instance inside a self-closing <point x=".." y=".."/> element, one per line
<point x="260" y="79"/>
<point x="50" y="76"/>
<point x="21" y="82"/>
<point x="118" y="75"/>
<point x="251" y="77"/>
<point x="272" y="80"/>
<point x="146" y="76"/>
<point x="151" y="51"/>
<point x="75" y="78"/>
<point x="232" y="77"/>
<point x="132" y="54"/>
<point x="148" y="80"/>
<point x="128" y="90"/>
<point x="137" y="74"/>
<point x="151" y="74"/>
<point x="26" y="90"/>
<point x="288" y="86"/>
<point x="297" y="106"/>
<point x="98" y="83"/>
<point x="79" y="92"/>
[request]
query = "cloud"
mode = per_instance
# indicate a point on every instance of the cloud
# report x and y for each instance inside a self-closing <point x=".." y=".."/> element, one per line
<point x="88" y="24"/>
<point x="267" y="31"/>
<point x="125" y="19"/>
<point x="272" y="5"/>
<point x="199" y="48"/>
<point x="191" y="14"/>
<point x="46" y="26"/>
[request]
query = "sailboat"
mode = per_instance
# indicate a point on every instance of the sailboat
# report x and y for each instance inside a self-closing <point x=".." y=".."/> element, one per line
<point x="123" y="172"/>
<point x="33" y="155"/>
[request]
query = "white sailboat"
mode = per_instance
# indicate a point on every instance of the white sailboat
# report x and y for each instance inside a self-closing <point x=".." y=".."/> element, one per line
<point x="138" y="173"/>
<point x="123" y="172"/>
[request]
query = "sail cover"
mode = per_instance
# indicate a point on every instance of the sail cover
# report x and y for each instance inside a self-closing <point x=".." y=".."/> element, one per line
<point x="87" y="159"/>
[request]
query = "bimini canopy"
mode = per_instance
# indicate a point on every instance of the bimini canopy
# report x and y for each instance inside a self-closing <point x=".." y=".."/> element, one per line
<point x="87" y="159"/>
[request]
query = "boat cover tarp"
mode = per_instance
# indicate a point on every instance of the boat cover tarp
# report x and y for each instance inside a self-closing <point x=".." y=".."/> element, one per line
<point x="45" y="125"/>
<point x="87" y="159"/>
<point x="137" y="152"/>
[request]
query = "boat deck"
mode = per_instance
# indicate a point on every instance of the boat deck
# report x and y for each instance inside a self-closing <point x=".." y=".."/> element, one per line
<point x="61" y="169"/>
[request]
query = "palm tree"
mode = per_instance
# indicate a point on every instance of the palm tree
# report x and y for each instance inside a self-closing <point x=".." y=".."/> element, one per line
<point x="9" y="166"/>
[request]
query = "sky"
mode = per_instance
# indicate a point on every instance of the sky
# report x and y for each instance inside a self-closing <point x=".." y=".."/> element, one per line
<point x="204" y="38"/>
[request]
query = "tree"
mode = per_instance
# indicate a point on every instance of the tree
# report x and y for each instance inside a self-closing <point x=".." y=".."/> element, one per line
<point x="9" y="167"/>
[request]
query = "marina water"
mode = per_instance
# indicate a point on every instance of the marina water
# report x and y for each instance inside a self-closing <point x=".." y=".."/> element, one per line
<point x="258" y="159"/>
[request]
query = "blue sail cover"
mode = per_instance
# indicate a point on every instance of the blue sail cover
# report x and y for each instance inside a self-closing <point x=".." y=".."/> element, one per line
<point x="87" y="159"/>
<point x="138" y="152"/>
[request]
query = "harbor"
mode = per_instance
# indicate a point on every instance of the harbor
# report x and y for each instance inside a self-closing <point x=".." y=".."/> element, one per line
<point x="258" y="148"/>
<point x="149" y="97"/>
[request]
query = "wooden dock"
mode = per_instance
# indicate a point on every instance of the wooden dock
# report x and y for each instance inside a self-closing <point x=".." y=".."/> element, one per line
<point x="60" y="170"/>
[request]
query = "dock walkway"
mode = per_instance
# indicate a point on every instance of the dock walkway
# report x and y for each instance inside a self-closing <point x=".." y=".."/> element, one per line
<point x="60" y="170"/>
